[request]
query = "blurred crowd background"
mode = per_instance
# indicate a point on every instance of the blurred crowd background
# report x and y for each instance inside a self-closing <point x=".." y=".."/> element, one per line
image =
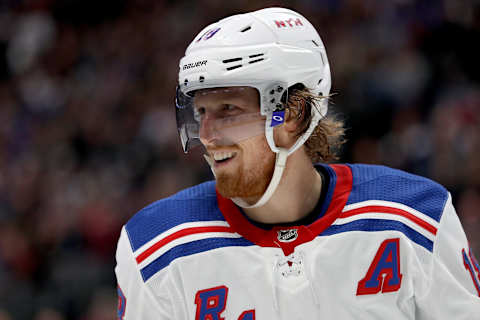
<point x="88" y="133"/>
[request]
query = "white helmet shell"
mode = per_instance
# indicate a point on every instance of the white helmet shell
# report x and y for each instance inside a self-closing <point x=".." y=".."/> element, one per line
<point x="269" y="49"/>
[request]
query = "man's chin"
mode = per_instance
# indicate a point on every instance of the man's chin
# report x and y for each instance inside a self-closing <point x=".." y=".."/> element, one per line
<point x="231" y="194"/>
<point x="230" y="187"/>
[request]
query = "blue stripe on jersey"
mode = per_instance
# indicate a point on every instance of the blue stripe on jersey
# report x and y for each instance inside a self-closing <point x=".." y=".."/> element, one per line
<point x="190" y="248"/>
<point x="198" y="203"/>
<point x="371" y="182"/>
<point x="372" y="225"/>
<point x="331" y="189"/>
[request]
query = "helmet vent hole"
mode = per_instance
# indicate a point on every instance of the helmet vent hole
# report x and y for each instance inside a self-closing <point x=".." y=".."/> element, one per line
<point x="258" y="55"/>
<point x="319" y="81"/>
<point x="316" y="44"/>
<point x="246" y="29"/>
<point x="257" y="60"/>
<point x="234" y="67"/>
<point x="201" y="78"/>
<point x="231" y="60"/>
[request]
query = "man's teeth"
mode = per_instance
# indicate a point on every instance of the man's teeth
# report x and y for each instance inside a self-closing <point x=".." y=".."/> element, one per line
<point x="219" y="156"/>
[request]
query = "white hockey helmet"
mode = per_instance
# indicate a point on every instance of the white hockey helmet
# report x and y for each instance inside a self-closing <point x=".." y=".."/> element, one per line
<point x="271" y="50"/>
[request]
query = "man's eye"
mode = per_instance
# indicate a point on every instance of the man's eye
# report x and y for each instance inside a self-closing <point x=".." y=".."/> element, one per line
<point x="229" y="107"/>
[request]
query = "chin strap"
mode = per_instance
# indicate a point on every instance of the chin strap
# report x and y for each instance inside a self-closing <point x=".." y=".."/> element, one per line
<point x="280" y="162"/>
<point x="210" y="163"/>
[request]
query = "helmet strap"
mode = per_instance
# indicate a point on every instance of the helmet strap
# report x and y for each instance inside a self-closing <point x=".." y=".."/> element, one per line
<point x="280" y="161"/>
<point x="210" y="164"/>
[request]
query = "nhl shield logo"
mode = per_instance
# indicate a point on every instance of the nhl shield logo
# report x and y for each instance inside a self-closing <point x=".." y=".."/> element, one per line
<point x="288" y="235"/>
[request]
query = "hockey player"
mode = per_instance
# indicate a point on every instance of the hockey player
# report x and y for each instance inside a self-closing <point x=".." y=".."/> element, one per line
<point x="274" y="236"/>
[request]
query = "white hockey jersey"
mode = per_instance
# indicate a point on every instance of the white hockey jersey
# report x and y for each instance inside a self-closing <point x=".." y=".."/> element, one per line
<point x="386" y="245"/>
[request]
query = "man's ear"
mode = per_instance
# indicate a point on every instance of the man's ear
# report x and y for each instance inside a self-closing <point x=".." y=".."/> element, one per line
<point x="294" y="114"/>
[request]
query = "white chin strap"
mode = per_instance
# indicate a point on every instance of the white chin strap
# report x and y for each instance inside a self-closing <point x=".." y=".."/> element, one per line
<point x="280" y="162"/>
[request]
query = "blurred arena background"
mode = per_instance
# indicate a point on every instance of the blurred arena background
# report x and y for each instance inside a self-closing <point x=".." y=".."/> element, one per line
<point x="88" y="133"/>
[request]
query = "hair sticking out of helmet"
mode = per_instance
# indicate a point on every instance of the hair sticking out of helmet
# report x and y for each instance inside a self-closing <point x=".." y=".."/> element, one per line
<point x="271" y="50"/>
<point x="328" y="136"/>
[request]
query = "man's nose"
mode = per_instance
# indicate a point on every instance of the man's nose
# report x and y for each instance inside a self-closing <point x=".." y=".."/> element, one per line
<point x="208" y="134"/>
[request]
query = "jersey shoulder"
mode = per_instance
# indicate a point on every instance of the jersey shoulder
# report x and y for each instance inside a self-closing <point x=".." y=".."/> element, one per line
<point x="374" y="182"/>
<point x="194" y="204"/>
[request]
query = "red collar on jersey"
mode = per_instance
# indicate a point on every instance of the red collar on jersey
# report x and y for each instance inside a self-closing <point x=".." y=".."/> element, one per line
<point x="300" y="234"/>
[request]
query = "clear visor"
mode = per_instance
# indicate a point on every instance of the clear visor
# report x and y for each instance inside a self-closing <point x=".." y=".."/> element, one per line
<point x="220" y="116"/>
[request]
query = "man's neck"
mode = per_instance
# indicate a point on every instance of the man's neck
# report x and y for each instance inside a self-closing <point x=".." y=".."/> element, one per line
<point x="296" y="196"/>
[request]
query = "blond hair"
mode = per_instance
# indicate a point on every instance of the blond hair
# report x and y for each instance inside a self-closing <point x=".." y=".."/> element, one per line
<point x="324" y="143"/>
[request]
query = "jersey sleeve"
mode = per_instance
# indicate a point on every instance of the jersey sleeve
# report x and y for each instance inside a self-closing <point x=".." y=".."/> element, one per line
<point x="452" y="290"/>
<point x="136" y="300"/>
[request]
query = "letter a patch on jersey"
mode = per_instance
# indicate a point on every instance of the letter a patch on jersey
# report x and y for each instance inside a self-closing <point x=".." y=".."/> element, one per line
<point x="384" y="272"/>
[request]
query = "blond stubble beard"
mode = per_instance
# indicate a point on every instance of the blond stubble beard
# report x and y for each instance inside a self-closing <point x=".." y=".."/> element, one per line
<point x="251" y="180"/>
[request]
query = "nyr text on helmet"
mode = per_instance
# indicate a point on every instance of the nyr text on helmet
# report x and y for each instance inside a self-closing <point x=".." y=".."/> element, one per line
<point x="288" y="23"/>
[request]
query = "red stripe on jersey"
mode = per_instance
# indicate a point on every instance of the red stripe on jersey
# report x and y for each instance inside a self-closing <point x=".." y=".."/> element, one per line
<point x="390" y="210"/>
<point x="181" y="233"/>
